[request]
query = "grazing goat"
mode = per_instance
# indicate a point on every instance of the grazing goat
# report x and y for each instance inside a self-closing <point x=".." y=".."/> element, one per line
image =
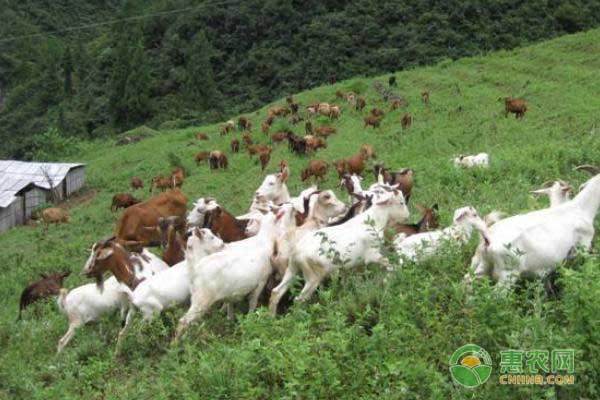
<point x="244" y="124"/>
<point x="515" y="106"/>
<point x="406" y="121"/>
<point x="352" y="165"/>
<point x="324" y="131"/>
<point x="54" y="215"/>
<point x="279" y="137"/>
<point x="48" y="285"/>
<point x="265" y="127"/>
<point x="425" y="97"/>
<point x="227" y="127"/>
<point x="339" y="95"/>
<point x="316" y="169"/>
<point x="234" y="145"/>
<point x="360" y="103"/>
<point x="481" y="160"/>
<point x="239" y="270"/>
<point x="160" y="182"/>
<point x="122" y="200"/>
<point x="531" y="245"/>
<point x="137" y="183"/>
<point x="368" y="152"/>
<point x="296" y="143"/>
<point x="314" y="143"/>
<point x="418" y="246"/>
<point x="201" y="157"/>
<point x="277" y="111"/>
<point x="201" y="136"/>
<point x="247" y="139"/>
<point x="395" y="104"/>
<point x="217" y="159"/>
<point x="373" y="121"/>
<point x="335" y="112"/>
<point x="264" y="158"/>
<point x="347" y="245"/>
<point x="170" y="287"/>
<point x="377" y="112"/>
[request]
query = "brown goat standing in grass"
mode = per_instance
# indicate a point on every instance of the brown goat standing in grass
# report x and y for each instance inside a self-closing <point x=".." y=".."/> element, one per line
<point x="316" y="168"/>
<point x="373" y="121"/>
<point x="218" y="159"/>
<point x="264" y="157"/>
<point x="48" y="285"/>
<point x="515" y="106"/>
<point x="122" y="200"/>
<point x="425" y="97"/>
<point x="406" y="121"/>
<point x="54" y="215"/>
<point x="137" y="183"/>
<point x="201" y="136"/>
<point x="201" y="157"/>
<point x="234" y="146"/>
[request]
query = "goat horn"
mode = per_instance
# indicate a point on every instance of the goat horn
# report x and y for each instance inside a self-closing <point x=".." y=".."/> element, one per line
<point x="590" y="169"/>
<point x="547" y="184"/>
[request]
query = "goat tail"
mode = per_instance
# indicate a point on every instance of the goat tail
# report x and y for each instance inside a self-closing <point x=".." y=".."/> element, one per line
<point x="62" y="299"/>
<point x="493" y="217"/>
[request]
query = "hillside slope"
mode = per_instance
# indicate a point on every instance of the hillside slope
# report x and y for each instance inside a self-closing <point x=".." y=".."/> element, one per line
<point x="367" y="334"/>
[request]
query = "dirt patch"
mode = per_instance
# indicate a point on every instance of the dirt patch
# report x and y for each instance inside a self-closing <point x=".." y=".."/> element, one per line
<point x="81" y="197"/>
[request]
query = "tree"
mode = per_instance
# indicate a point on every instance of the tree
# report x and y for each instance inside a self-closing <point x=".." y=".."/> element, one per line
<point x="201" y="89"/>
<point x="67" y="67"/>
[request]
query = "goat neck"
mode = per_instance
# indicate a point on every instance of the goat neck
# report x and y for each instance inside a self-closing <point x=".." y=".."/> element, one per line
<point x="588" y="200"/>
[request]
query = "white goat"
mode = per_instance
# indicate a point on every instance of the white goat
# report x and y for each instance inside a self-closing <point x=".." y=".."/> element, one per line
<point x="241" y="269"/>
<point x="201" y="207"/>
<point x="558" y="192"/>
<point x="170" y="287"/>
<point x="532" y="244"/>
<point x="89" y="302"/>
<point x="422" y="245"/>
<point x="479" y="160"/>
<point x="347" y="245"/>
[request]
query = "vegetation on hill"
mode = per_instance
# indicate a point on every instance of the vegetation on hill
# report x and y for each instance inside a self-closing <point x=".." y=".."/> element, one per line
<point x="211" y="59"/>
<point x="368" y="333"/>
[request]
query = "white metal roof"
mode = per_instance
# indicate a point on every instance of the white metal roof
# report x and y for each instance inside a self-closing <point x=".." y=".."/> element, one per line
<point x="15" y="175"/>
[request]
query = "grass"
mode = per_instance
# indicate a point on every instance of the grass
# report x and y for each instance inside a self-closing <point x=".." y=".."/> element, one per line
<point x="367" y="334"/>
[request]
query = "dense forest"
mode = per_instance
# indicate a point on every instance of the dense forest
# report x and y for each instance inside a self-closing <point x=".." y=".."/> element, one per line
<point x="79" y="70"/>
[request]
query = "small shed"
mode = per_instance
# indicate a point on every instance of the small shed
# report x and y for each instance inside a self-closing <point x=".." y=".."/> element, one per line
<point x="24" y="186"/>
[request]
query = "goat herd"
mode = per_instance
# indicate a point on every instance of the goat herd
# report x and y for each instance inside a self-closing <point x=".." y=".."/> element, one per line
<point x="211" y="256"/>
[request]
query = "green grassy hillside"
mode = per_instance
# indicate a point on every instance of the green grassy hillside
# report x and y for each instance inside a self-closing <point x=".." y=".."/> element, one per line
<point x="368" y="334"/>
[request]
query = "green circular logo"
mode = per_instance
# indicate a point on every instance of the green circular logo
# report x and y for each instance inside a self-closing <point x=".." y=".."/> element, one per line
<point x="470" y="366"/>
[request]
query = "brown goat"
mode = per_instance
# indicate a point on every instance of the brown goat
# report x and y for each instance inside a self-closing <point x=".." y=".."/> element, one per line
<point x="265" y="127"/>
<point x="429" y="220"/>
<point x="377" y="112"/>
<point x="234" y="146"/>
<point x="264" y="157"/>
<point x="137" y="183"/>
<point x="396" y="104"/>
<point x="138" y="226"/>
<point x="223" y="224"/>
<point x="227" y="127"/>
<point x="244" y="124"/>
<point x="368" y="151"/>
<point x="171" y="239"/>
<point x="257" y="149"/>
<point x="161" y="182"/>
<point x="177" y="177"/>
<point x="122" y="200"/>
<point x="247" y="139"/>
<point x="340" y="95"/>
<point x="373" y="121"/>
<point x="316" y="168"/>
<point x="217" y="159"/>
<point x="54" y="215"/>
<point x="403" y="178"/>
<point x="515" y="106"/>
<point x="324" y="131"/>
<point x="278" y="137"/>
<point x="277" y="111"/>
<point x="425" y="97"/>
<point x="406" y="121"/>
<point x="201" y="136"/>
<point x="201" y="157"/>
<point x="48" y="285"/>
<point x="360" y="103"/>
<point x="352" y="165"/>
<point x="314" y="143"/>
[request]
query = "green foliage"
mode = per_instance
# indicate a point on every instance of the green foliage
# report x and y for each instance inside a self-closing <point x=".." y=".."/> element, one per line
<point x="52" y="146"/>
<point x="366" y="333"/>
<point x="201" y="65"/>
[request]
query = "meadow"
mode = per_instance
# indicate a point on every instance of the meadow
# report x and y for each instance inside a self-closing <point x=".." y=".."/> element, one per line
<point x="368" y="334"/>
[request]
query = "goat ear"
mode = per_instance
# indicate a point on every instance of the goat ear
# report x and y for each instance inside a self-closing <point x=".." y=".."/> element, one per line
<point x="104" y="254"/>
